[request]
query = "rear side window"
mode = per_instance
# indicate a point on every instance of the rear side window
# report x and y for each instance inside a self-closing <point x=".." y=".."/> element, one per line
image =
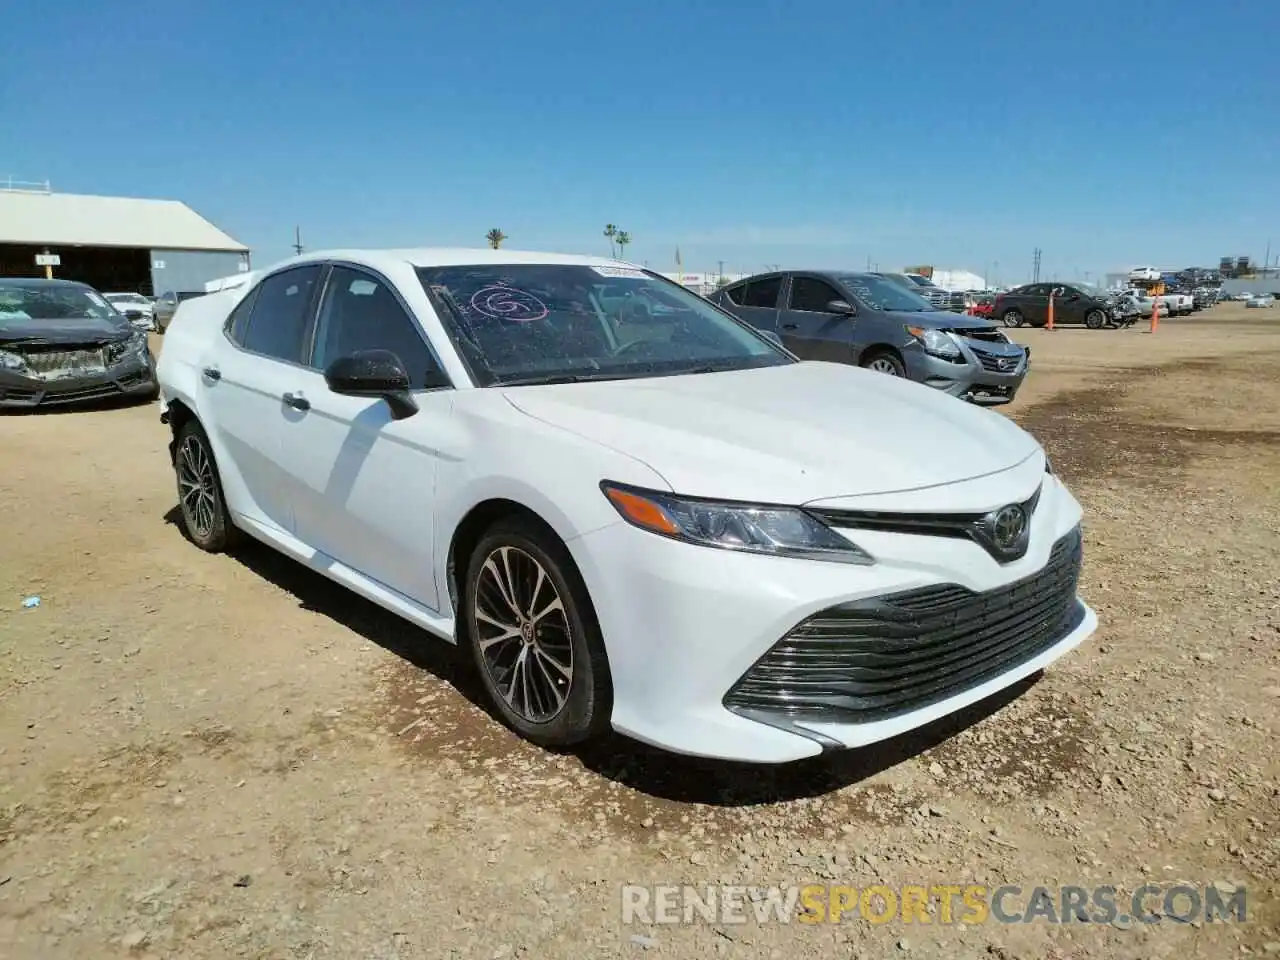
<point x="280" y="313"/>
<point x="763" y="292"/>
<point x="238" y="320"/>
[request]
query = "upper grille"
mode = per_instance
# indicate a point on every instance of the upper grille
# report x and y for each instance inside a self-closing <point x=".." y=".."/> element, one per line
<point x="992" y="362"/>
<point x="45" y="362"/>
<point x="876" y="658"/>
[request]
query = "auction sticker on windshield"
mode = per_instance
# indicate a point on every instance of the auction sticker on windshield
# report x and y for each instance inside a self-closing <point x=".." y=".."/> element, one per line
<point x="630" y="272"/>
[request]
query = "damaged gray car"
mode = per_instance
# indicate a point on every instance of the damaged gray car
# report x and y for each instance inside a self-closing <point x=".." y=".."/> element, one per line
<point x="61" y="342"/>
<point x="870" y="321"/>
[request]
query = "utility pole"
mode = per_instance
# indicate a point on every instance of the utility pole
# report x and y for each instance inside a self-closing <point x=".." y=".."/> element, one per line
<point x="297" y="240"/>
<point x="720" y="278"/>
<point x="1035" y="269"/>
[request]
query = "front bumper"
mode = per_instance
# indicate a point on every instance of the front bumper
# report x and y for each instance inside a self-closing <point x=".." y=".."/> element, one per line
<point x="976" y="376"/>
<point x="683" y="625"/>
<point x="133" y="377"/>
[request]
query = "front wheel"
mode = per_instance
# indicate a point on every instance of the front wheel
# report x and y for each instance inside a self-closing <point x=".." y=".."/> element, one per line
<point x="885" y="362"/>
<point x="1095" y="319"/>
<point x="1012" y="318"/>
<point x="534" y="636"/>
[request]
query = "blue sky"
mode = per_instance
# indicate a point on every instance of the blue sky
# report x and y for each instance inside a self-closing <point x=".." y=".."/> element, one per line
<point x="804" y="133"/>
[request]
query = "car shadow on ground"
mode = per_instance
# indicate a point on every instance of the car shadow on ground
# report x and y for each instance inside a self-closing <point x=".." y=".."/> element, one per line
<point x="637" y="766"/>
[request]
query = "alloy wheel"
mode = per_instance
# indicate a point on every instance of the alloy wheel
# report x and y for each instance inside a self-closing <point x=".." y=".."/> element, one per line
<point x="1012" y="318"/>
<point x="525" y="641"/>
<point x="197" y="487"/>
<point x="883" y="365"/>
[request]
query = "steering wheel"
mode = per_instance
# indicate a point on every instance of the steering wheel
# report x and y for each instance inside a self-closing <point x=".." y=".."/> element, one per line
<point x="634" y="346"/>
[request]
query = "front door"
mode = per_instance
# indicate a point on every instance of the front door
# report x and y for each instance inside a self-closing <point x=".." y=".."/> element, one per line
<point x="362" y="482"/>
<point x="809" y="329"/>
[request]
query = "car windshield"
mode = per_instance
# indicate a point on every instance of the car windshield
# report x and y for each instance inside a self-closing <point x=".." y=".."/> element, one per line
<point x="54" y="302"/>
<point x="880" y="293"/>
<point x="1089" y="290"/>
<point x="531" y="323"/>
<point x="125" y="297"/>
<point x="920" y="281"/>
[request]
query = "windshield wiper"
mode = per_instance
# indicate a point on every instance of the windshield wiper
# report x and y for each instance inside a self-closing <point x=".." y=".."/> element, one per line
<point x="562" y="378"/>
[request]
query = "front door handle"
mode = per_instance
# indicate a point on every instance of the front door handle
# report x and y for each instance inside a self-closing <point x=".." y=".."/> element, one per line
<point x="297" y="401"/>
<point x="791" y="326"/>
<point x="213" y="373"/>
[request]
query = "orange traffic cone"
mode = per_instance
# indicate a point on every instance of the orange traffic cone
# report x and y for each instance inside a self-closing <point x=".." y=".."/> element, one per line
<point x="1049" y="325"/>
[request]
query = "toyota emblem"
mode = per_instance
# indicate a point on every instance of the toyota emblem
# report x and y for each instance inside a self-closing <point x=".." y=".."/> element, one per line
<point x="1008" y="526"/>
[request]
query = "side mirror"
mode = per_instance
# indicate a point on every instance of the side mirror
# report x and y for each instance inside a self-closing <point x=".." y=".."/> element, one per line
<point x="842" y="307"/>
<point x="373" y="373"/>
<point x="133" y="314"/>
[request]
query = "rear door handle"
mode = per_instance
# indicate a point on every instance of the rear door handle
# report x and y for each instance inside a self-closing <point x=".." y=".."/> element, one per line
<point x="297" y="401"/>
<point x="213" y="373"/>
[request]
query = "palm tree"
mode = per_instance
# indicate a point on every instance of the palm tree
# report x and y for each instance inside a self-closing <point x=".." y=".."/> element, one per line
<point x="495" y="238"/>
<point x="610" y="231"/>
<point x="623" y="239"/>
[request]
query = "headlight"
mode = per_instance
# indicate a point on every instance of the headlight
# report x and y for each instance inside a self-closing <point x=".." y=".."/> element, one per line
<point x="11" y="361"/>
<point x="936" y="342"/>
<point x="779" y="531"/>
<point x="135" y="346"/>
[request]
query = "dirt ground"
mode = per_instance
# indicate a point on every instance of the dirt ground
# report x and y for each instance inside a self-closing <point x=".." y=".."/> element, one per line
<point x="216" y="756"/>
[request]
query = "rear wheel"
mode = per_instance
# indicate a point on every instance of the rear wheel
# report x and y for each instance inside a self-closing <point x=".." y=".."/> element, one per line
<point x="534" y="636"/>
<point x="1012" y="318"/>
<point x="883" y="361"/>
<point x="205" y="518"/>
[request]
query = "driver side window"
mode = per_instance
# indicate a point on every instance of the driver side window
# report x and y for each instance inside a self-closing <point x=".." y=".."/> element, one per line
<point x="360" y="312"/>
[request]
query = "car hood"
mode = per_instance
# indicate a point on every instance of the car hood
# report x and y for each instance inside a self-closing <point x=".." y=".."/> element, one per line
<point x="65" y="331"/>
<point x="941" y="320"/>
<point x="790" y="434"/>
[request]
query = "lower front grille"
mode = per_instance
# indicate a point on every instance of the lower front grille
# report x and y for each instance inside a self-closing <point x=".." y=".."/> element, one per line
<point x="876" y="658"/>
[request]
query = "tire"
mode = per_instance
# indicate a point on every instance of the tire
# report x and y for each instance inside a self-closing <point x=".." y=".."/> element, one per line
<point x="884" y="361"/>
<point x="568" y="698"/>
<point x="206" y="522"/>
<point x="1012" y="318"/>
<point x="1095" y="319"/>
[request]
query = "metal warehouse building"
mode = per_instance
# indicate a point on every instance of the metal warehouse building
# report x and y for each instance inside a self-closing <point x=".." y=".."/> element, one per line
<point x="113" y="243"/>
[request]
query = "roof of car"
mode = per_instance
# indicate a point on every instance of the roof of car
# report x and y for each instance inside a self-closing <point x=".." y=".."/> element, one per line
<point x="41" y="282"/>
<point x="452" y="256"/>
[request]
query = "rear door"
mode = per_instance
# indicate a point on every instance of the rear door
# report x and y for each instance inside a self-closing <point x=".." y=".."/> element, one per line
<point x="808" y="328"/>
<point x="243" y="377"/>
<point x="756" y="301"/>
<point x="1033" y="301"/>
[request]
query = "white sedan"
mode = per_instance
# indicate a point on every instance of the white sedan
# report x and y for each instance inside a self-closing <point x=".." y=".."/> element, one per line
<point x="134" y="303"/>
<point x="633" y="510"/>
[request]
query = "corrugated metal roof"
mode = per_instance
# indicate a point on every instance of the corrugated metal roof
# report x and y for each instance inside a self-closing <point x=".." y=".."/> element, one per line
<point x="67" y="219"/>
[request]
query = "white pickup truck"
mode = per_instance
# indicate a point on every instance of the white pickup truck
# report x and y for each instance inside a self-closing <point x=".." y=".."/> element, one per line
<point x="1171" y="304"/>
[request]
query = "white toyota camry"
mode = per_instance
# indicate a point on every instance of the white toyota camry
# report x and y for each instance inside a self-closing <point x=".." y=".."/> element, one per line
<point x="635" y="511"/>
